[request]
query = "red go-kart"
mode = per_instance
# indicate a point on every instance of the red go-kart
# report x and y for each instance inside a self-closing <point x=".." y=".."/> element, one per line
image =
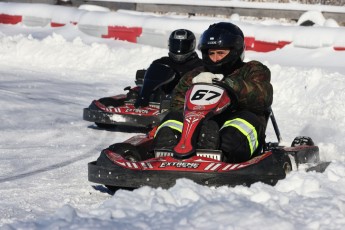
<point x="135" y="163"/>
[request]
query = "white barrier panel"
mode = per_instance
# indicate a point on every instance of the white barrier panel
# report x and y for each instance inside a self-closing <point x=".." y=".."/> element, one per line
<point x="96" y="31"/>
<point x="35" y="21"/>
<point x="154" y="37"/>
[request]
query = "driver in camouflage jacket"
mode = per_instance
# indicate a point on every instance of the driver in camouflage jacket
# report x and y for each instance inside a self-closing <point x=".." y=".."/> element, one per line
<point x="250" y="81"/>
<point x="239" y="133"/>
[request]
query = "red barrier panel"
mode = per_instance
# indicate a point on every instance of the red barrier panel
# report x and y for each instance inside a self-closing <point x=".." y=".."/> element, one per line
<point x="338" y="48"/>
<point x="262" y="46"/>
<point x="250" y="42"/>
<point x="55" y="24"/>
<point x="123" y="33"/>
<point x="283" y="43"/>
<point x="10" y="19"/>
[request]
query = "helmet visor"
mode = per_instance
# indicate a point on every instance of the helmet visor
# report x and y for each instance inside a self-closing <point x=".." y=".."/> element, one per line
<point x="180" y="42"/>
<point x="180" y="46"/>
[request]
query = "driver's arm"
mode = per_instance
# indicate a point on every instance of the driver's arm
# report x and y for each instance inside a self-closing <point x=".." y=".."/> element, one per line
<point x="253" y="87"/>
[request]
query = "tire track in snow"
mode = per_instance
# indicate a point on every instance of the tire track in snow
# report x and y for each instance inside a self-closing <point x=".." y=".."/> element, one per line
<point x="58" y="165"/>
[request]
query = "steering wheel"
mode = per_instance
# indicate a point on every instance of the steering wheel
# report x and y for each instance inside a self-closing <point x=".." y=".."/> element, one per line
<point x="230" y="91"/>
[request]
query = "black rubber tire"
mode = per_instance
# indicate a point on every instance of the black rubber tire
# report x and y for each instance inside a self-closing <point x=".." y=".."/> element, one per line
<point x="302" y="140"/>
<point x="105" y="126"/>
<point x="127" y="151"/>
<point x="114" y="189"/>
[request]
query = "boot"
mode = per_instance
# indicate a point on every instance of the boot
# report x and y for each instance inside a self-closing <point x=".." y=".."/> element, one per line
<point x="166" y="138"/>
<point x="209" y="136"/>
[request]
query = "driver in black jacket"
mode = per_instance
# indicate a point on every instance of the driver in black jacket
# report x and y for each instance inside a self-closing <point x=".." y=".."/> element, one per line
<point x="182" y="57"/>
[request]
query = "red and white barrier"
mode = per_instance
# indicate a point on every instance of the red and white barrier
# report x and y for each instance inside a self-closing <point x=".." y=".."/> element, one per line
<point x="140" y="28"/>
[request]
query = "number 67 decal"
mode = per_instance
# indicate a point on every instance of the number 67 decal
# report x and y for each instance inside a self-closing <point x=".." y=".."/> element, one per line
<point x="201" y="93"/>
<point x="205" y="94"/>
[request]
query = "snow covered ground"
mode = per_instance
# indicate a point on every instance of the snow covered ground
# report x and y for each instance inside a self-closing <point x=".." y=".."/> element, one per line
<point x="47" y="76"/>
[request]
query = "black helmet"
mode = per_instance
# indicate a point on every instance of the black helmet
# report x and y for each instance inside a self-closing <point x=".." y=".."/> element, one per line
<point x="222" y="35"/>
<point x="181" y="45"/>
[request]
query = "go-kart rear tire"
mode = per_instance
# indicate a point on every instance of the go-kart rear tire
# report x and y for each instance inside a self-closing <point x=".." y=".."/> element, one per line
<point x="105" y="126"/>
<point x="127" y="151"/>
<point x="114" y="189"/>
<point x="302" y="140"/>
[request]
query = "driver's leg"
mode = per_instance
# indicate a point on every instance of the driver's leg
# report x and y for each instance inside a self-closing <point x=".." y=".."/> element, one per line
<point x="169" y="131"/>
<point x="241" y="137"/>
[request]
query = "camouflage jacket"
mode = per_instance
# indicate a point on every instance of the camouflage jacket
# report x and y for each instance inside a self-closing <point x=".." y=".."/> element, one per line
<point x="251" y="82"/>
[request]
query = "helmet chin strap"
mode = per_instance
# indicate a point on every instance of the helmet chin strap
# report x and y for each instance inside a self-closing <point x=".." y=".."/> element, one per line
<point x="181" y="58"/>
<point x="242" y="56"/>
<point x="224" y="68"/>
<point x="216" y="69"/>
